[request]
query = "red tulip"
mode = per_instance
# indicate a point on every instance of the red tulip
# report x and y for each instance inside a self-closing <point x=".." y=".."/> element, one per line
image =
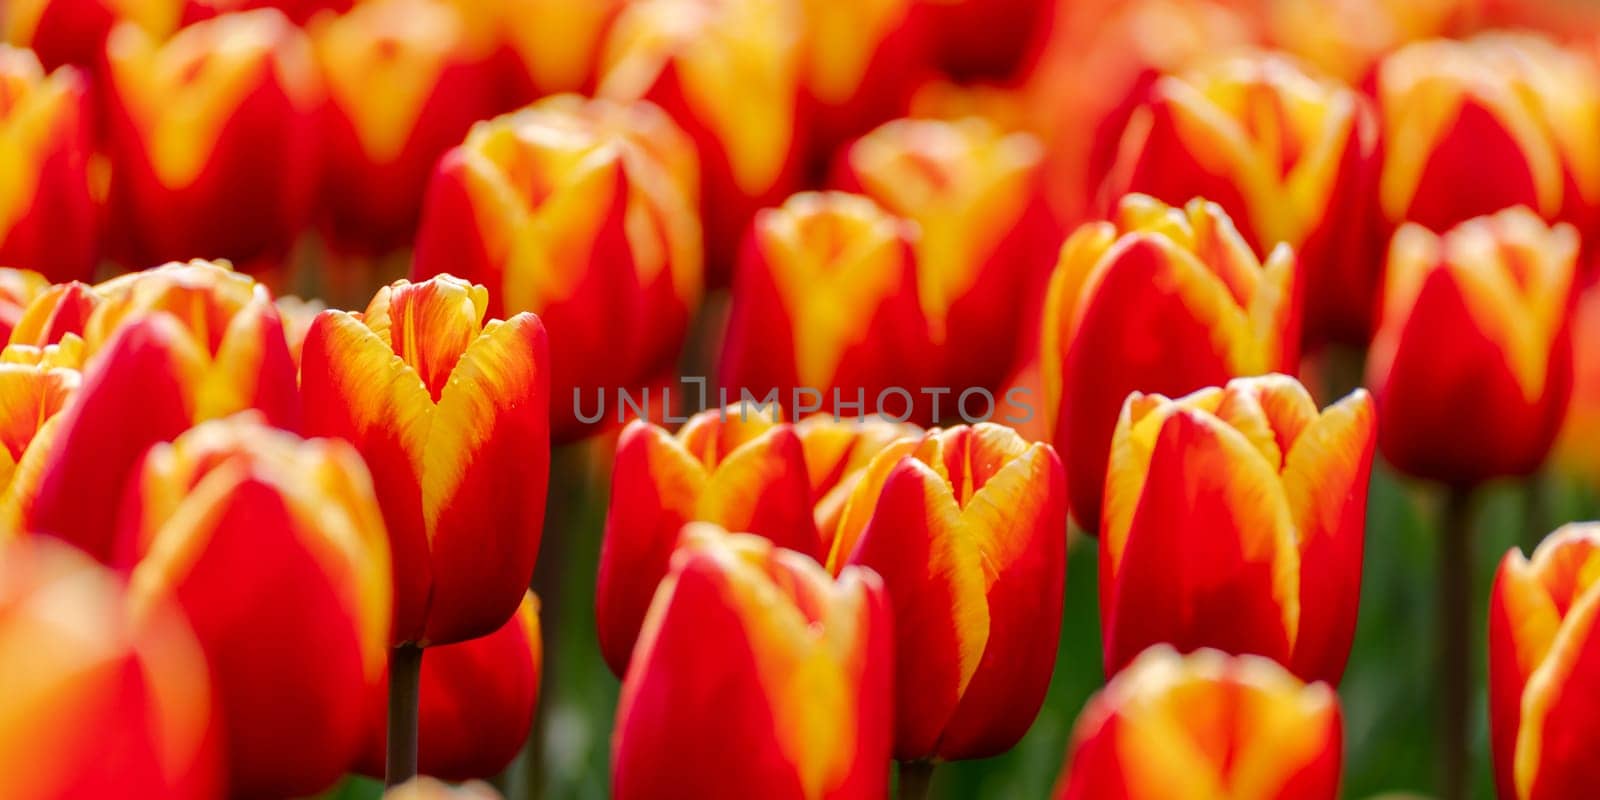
<point x="49" y="218"/>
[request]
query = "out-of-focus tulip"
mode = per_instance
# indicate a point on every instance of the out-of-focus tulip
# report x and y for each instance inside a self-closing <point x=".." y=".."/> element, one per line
<point x="986" y="239"/>
<point x="49" y="219"/>
<point x="296" y="314"/>
<point x="1291" y="157"/>
<point x="1234" y="518"/>
<point x="1471" y="364"/>
<point x="1173" y="727"/>
<point x="405" y="81"/>
<point x="1543" y="656"/>
<point x="732" y="466"/>
<point x="18" y="288"/>
<point x="477" y="700"/>
<point x="1515" y="117"/>
<point x="825" y="301"/>
<point x="275" y="547"/>
<point x="1161" y="300"/>
<point x="212" y="139"/>
<point x="797" y="665"/>
<point x="968" y="527"/>
<point x="52" y="313"/>
<point x="1349" y="39"/>
<point x="861" y="62"/>
<point x="987" y="38"/>
<point x="298" y="11"/>
<point x="583" y="212"/>
<point x="74" y="31"/>
<point x="554" y="44"/>
<point x="107" y="693"/>
<point x="425" y="788"/>
<point x="1575" y="453"/>
<point x="452" y="415"/>
<point x="729" y="73"/>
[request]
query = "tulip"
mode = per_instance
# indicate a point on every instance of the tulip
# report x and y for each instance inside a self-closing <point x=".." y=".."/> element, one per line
<point x="452" y="416"/>
<point x="18" y="288"/>
<point x="968" y="527"/>
<point x="478" y="699"/>
<point x="297" y="314"/>
<point x="74" y="31"/>
<point x="555" y="44"/>
<point x="860" y="63"/>
<point x="730" y="74"/>
<point x="35" y="384"/>
<point x="1471" y="364"/>
<point x="1350" y="41"/>
<point x="825" y="300"/>
<point x="1542" y="658"/>
<point x="583" y="213"/>
<point x="988" y="38"/>
<point x="1290" y="156"/>
<point x="1234" y="519"/>
<point x="795" y="664"/>
<point x="49" y="220"/>
<point x="275" y="548"/>
<point x="405" y="82"/>
<point x="1574" y="453"/>
<point x="299" y="12"/>
<point x="212" y="139"/>
<point x="732" y="466"/>
<point x="1513" y="116"/>
<point x="53" y="313"/>
<point x="837" y="452"/>
<point x="107" y="691"/>
<point x="1173" y="727"/>
<point x="986" y="235"/>
<point x="1161" y="300"/>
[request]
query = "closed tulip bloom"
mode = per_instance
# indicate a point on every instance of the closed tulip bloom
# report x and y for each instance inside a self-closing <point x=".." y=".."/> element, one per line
<point x="1173" y="727"/>
<point x="837" y="452"/>
<point x="275" y="548"/>
<point x="107" y="691"/>
<point x="452" y="415"/>
<point x="1543" y="653"/>
<point x="1513" y="116"/>
<point x="74" y="31"/>
<point x="861" y="62"/>
<point x="796" y="664"/>
<point x="212" y="139"/>
<point x="49" y="218"/>
<point x="1161" y="300"/>
<point x="968" y="527"/>
<point x="1474" y="336"/>
<point x="581" y="211"/>
<point x="555" y="44"/>
<point x="1234" y="519"/>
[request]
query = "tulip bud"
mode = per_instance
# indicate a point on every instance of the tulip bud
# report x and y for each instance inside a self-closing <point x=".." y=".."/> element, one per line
<point x="1515" y="117"/>
<point x="212" y="139"/>
<point x="825" y="301"/>
<point x="1543" y="653"/>
<point x="49" y="220"/>
<point x="1205" y="725"/>
<point x="581" y="211"/>
<point x="985" y="235"/>
<point x="968" y="527"/>
<point x="1162" y="300"/>
<point x="452" y="416"/>
<point x="797" y="666"/>
<point x="74" y="31"/>
<point x="731" y="466"/>
<point x="1244" y="508"/>
<point x="107" y="692"/>
<point x="1471" y="364"/>
<point x="1291" y="157"/>
<point x="274" y="546"/>
<point x="729" y="73"/>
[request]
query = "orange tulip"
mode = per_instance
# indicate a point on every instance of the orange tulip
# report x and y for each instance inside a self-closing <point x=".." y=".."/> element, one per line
<point x="1160" y="300"/>
<point x="74" y="31"/>
<point x="49" y="218"/>
<point x="1543" y="653"/>
<point x="452" y="416"/>
<point x="1471" y="364"/>
<point x="795" y="664"/>
<point x="107" y="692"/>
<point x="1290" y="156"/>
<point x="1173" y="727"/>
<point x="1234" y="518"/>
<point x="581" y="211"/>
<point x="968" y="527"/>
<point x="212" y="139"/>
<point x="275" y="547"/>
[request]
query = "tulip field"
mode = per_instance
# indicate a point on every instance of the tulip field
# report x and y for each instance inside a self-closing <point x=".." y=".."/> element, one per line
<point x="799" y="399"/>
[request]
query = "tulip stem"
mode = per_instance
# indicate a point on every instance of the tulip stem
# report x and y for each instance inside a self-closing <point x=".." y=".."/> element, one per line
<point x="405" y="677"/>
<point x="915" y="778"/>
<point x="1455" y="646"/>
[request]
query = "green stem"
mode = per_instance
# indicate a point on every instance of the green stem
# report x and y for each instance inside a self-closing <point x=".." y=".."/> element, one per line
<point x="1455" y="641"/>
<point x="915" y="778"/>
<point x="405" y="676"/>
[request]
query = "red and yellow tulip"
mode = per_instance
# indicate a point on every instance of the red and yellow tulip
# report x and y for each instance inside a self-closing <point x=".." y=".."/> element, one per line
<point x="860" y="63"/>
<point x="968" y="528"/>
<point x="1350" y="43"/>
<point x="74" y="31"/>
<point x="1173" y="727"/>
<point x="49" y="217"/>
<point x="1235" y="519"/>
<point x="1162" y="300"/>
<point x="35" y="384"/>
<point x="798" y="666"/>
<point x="1471" y="364"/>
<point x="452" y="415"/>
<point x="18" y="288"/>
<point x="1574" y="453"/>
<point x="555" y="44"/>
<point x="52" y="313"/>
